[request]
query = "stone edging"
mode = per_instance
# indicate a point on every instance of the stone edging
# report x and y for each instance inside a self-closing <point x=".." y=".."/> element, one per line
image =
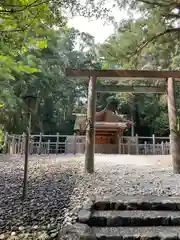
<point x="77" y="231"/>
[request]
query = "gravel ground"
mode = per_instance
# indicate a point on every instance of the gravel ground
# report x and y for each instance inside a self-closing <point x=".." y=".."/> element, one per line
<point x="58" y="186"/>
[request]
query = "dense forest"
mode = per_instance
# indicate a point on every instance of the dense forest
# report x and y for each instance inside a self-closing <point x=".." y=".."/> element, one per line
<point x="37" y="45"/>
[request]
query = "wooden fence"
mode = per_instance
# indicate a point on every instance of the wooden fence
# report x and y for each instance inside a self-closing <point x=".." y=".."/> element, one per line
<point x="38" y="144"/>
<point x="58" y="144"/>
<point x="145" y="145"/>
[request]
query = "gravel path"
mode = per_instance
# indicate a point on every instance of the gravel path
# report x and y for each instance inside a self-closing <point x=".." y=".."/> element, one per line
<point x="58" y="187"/>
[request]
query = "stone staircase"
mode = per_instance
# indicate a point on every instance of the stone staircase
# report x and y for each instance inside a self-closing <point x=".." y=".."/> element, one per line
<point x="130" y="218"/>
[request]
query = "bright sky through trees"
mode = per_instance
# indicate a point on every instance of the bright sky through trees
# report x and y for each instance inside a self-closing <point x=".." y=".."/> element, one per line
<point x="98" y="28"/>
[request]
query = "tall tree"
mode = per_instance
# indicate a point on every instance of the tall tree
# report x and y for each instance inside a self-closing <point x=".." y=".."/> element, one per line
<point x="58" y="96"/>
<point x="147" y="41"/>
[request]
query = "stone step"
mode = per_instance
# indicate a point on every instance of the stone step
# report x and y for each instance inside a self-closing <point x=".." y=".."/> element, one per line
<point x="134" y="233"/>
<point x="134" y="218"/>
<point x="138" y="203"/>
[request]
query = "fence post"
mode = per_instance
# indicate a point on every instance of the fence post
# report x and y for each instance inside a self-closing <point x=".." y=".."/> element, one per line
<point x="162" y="148"/>
<point x="57" y="144"/>
<point x="168" y="147"/>
<point x="9" y="147"/>
<point x="13" y="144"/>
<point x="170" y="144"/>
<point x="145" y="148"/>
<point x="137" y="144"/>
<point x="48" y="147"/>
<point x="23" y="143"/>
<point x="5" y="150"/>
<point x="30" y="145"/>
<point x="19" y="145"/>
<point x="129" y="146"/>
<point x="154" y="144"/>
<point x="74" y="143"/>
<point x="40" y="142"/>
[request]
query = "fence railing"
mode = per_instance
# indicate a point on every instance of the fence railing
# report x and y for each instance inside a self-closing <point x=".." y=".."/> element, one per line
<point x="38" y="144"/>
<point x="162" y="148"/>
<point x="145" y="145"/>
<point x="58" y="144"/>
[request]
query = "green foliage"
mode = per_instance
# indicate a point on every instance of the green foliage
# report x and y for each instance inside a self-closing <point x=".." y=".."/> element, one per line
<point x="148" y="41"/>
<point x="58" y="97"/>
<point x="24" y="25"/>
<point x="34" y="56"/>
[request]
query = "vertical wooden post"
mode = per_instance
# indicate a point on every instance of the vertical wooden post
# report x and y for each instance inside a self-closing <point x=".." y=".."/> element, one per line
<point x="23" y="143"/>
<point x="48" y="147"/>
<point x="172" y="125"/>
<point x="15" y="147"/>
<point x="119" y="143"/>
<point x="9" y="147"/>
<point x="137" y="144"/>
<point x="40" y="143"/>
<point x="6" y="143"/>
<point x="132" y="115"/>
<point x="154" y="144"/>
<point x="145" y="148"/>
<point x="30" y="144"/>
<point x="13" y="144"/>
<point x="129" y="146"/>
<point x="167" y="144"/>
<point x="170" y="143"/>
<point x="57" y="143"/>
<point x="75" y="143"/>
<point x="132" y="128"/>
<point x="162" y="148"/>
<point x="90" y="130"/>
<point x="19" y="144"/>
<point x="26" y="153"/>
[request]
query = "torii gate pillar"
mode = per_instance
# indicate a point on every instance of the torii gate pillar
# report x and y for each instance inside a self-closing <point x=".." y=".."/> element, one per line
<point x="174" y="139"/>
<point x="90" y="130"/>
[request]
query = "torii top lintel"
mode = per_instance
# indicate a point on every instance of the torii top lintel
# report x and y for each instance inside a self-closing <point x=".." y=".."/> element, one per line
<point x="119" y="74"/>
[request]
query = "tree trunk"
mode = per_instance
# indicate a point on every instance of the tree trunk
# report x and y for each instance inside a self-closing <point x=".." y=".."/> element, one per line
<point x="90" y="130"/>
<point x="175" y="146"/>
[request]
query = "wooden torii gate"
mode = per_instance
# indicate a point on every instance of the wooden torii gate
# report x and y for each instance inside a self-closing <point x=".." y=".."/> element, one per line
<point x="93" y="75"/>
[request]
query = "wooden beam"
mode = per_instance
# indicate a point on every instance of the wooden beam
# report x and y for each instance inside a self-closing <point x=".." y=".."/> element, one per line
<point x="70" y="72"/>
<point x="90" y="129"/>
<point x="135" y="89"/>
<point x="174" y="139"/>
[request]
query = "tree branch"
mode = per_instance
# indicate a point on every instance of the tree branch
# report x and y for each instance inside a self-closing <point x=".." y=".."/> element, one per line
<point x="155" y="3"/>
<point x="171" y="15"/>
<point x="173" y="4"/>
<point x="21" y="29"/>
<point x="153" y="38"/>
<point x="13" y="30"/>
<point x="23" y="7"/>
<point x="17" y="6"/>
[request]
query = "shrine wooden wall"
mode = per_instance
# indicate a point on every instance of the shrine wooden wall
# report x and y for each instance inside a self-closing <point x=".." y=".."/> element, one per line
<point x="106" y="137"/>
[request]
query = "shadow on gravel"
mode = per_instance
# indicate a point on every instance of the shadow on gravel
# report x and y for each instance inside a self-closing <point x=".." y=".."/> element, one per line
<point x="49" y="193"/>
